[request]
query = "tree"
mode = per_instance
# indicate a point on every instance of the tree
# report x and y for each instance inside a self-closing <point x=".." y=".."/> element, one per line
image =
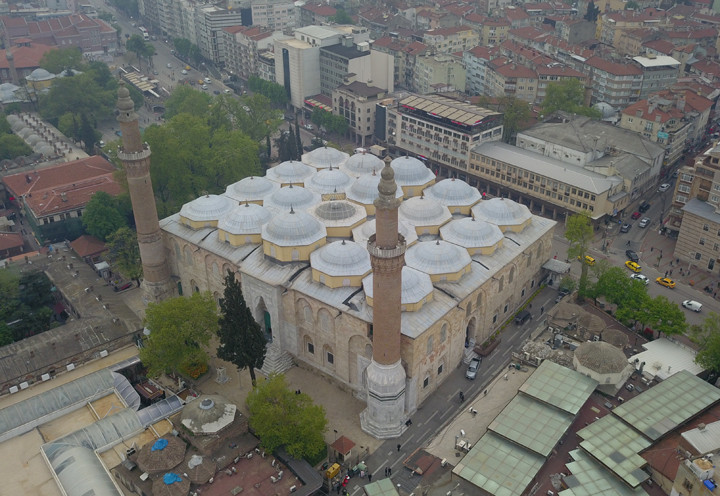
<point x="275" y="92"/>
<point x="57" y="60"/>
<point x="124" y="253"/>
<point x="567" y="95"/>
<point x="592" y="12"/>
<point x="515" y="113"/>
<point x="185" y="99"/>
<point x="242" y="342"/>
<point x="280" y="417"/>
<point x="579" y="232"/>
<point x="182" y="46"/>
<point x="613" y="283"/>
<point x="298" y="139"/>
<point x="101" y="217"/>
<point x="12" y="146"/>
<point x="137" y="44"/>
<point x="666" y="316"/>
<point x="341" y="17"/>
<point x="707" y="336"/>
<point x="180" y="329"/>
<point x="88" y="134"/>
<point x="77" y="95"/>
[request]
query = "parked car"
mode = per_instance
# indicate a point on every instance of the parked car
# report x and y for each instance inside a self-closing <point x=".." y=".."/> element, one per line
<point x="644" y="222"/>
<point x="633" y="266"/>
<point x="473" y="368"/>
<point x="561" y="294"/>
<point x="632" y="256"/>
<point x="208" y="80"/>
<point x="693" y="305"/>
<point x="676" y="173"/>
<point x="635" y="215"/>
<point x="309" y="127"/>
<point x="522" y="317"/>
<point x="644" y="206"/>
<point x="588" y="259"/>
<point x="183" y="72"/>
<point x="123" y="286"/>
<point x="665" y="281"/>
<point x="663" y="187"/>
<point x="625" y="227"/>
<point x="641" y="278"/>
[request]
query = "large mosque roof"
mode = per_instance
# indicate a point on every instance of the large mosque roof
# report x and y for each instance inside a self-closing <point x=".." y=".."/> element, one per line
<point x="293" y="228"/>
<point x="290" y="172"/>
<point x="362" y="233"/>
<point x="453" y="193"/>
<point x="206" y="208"/>
<point x="327" y="181"/>
<point x="416" y="286"/>
<point x="421" y="211"/>
<point x="410" y="171"/>
<point x="502" y="212"/>
<point x="295" y="197"/>
<point x="437" y="257"/>
<point x="471" y="233"/>
<point x="253" y="188"/>
<point x="245" y="218"/>
<point x="363" y="163"/>
<point x="338" y="213"/>
<point x="341" y="258"/>
<point x="364" y="189"/>
<point x="325" y="157"/>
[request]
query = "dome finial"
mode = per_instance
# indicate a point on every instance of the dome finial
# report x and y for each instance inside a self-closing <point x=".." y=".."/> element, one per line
<point x="292" y="211"/>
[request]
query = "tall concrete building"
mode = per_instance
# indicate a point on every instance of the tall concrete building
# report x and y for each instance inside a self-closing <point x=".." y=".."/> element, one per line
<point x="135" y="156"/>
<point x="384" y="416"/>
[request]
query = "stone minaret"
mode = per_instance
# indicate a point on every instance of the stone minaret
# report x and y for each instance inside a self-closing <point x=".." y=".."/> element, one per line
<point x="135" y="156"/>
<point x="385" y="414"/>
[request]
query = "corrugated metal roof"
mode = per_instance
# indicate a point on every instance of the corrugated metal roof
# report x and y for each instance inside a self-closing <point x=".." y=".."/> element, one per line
<point x="559" y="386"/>
<point x="705" y="440"/>
<point x="461" y="112"/>
<point x="664" y="358"/>
<point x="589" y="478"/>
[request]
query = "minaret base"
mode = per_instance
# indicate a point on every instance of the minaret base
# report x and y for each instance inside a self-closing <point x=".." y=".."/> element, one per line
<point x="384" y="417"/>
<point x="154" y="292"/>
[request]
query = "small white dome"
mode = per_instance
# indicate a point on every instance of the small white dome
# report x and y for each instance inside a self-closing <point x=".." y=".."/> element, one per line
<point x="362" y="233"/>
<point x="40" y="74"/>
<point x="416" y="286"/>
<point x="471" y="233"/>
<point x="206" y="208"/>
<point x="328" y="181"/>
<point x="410" y="171"/>
<point x="336" y="210"/>
<point x="341" y="258"/>
<point x="325" y="157"/>
<point x="420" y="211"/>
<point x="363" y="163"/>
<point x="294" y="197"/>
<point x="365" y="189"/>
<point x="502" y="212"/>
<point x="453" y="193"/>
<point x="253" y="188"/>
<point x="293" y="228"/>
<point x="290" y="172"/>
<point x="247" y="218"/>
<point x="437" y="257"/>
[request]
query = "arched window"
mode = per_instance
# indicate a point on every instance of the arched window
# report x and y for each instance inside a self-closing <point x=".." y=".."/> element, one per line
<point x="188" y="256"/>
<point x="529" y="259"/>
<point x="430" y="345"/>
<point x="468" y="310"/>
<point x="512" y="275"/>
<point x="178" y="254"/>
<point x="309" y="346"/>
<point x="307" y="314"/>
<point x="215" y="269"/>
<point x="443" y="333"/>
<point x="478" y="304"/>
<point x="328" y="357"/>
<point x="501" y="283"/>
<point x="325" y="320"/>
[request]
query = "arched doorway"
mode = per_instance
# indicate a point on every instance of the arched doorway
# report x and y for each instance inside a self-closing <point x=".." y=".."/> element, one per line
<point x="263" y="317"/>
<point x="470" y="333"/>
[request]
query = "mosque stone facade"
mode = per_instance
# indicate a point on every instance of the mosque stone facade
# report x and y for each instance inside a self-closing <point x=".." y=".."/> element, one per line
<point x="322" y="317"/>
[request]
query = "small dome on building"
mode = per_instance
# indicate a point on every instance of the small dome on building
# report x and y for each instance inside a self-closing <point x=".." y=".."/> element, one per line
<point x="502" y="212"/>
<point x="33" y="139"/>
<point x="422" y="212"/>
<point x="361" y="164"/>
<point x="208" y="415"/>
<point x="364" y="189"/>
<point x="328" y="182"/>
<point x="472" y="234"/>
<point x="291" y="197"/>
<point x="325" y="157"/>
<point x="205" y="209"/>
<point x="339" y="217"/>
<point x="40" y="74"/>
<point x="293" y="228"/>
<point x="362" y="233"/>
<point x="601" y="357"/>
<point x="410" y="171"/>
<point x="245" y="218"/>
<point x="253" y="189"/>
<point x="341" y="258"/>
<point x="290" y="172"/>
<point x="416" y="288"/>
<point x="453" y="193"/>
<point x="440" y="259"/>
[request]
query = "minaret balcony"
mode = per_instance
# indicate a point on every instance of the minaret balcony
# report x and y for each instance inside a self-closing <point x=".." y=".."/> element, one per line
<point x="376" y="251"/>
<point x="142" y="154"/>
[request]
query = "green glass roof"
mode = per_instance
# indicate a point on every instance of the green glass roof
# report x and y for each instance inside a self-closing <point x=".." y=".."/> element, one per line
<point x="616" y="446"/>
<point x="559" y="386"/>
<point x="589" y="478"/>
<point x="500" y="467"/>
<point x="382" y="487"/>
<point x="532" y="424"/>
<point x="668" y="404"/>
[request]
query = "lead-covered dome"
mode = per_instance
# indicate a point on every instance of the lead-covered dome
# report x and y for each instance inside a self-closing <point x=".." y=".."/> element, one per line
<point x="417" y="289"/>
<point x="205" y="211"/>
<point x="341" y="263"/>
<point x="208" y="415"/>
<point x="252" y="189"/>
<point x="339" y="217"/>
<point x="424" y="214"/>
<point x="364" y="191"/>
<point x="362" y="233"/>
<point x="329" y="182"/>
<point x="443" y="261"/>
<point x="473" y="235"/>
<point x="361" y="164"/>
<point x="410" y="171"/>
<point x="243" y="224"/>
<point x="40" y="74"/>
<point x="457" y="195"/>
<point x="290" y="172"/>
<point x="325" y="157"/>
<point x="291" y="197"/>
<point x="293" y="228"/>
<point x="504" y="213"/>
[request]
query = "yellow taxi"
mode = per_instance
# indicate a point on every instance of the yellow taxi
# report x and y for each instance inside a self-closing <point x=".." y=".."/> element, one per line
<point x="588" y="259"/>
<point x="633" y="266"/>
<point x="664" y="281"/>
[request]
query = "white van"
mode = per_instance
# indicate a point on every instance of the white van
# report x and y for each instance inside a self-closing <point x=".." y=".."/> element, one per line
<point x="693" y="305"/>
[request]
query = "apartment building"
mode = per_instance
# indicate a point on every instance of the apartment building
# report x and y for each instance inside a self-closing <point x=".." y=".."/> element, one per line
<point x="451" y="39"/>
<point x="553" y="73"/>
<point x="611" y="26"/>
<point x="266" y="65"/>
<point x="242" y="46"/>
<point x="276" y="15"/>
<point x="505" y="78"/>
<point x="659" y="72"/>
<point x="312" y="14"/>
<point x="574" y="31"/>
<point x="357" y="103"/>
<point x="475" y="61"/>
<point x="440" y="131"/>
<point x="613" y="82"/>
<point x="492" y="30"/>
<point x="338" y="61"/>
<point x="439" y="74"/>
<point x="210" y="21"/>
<point x="404" y="55"/>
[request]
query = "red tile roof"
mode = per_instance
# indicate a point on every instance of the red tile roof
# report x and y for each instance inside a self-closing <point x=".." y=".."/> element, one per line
<point x="656" y="115"/>
<point x="662" y="46"/>
<point x="11" y="240"/>
<point x="516" y="71"/>
<point x="321" y="10"/>
<point x="25" y="57"/>
<point x="87" y="246"/>
<point x="481" y="52"/>
<point x="515" y="14"/>
<point x="615" y="68"/>
<point x="558" y="70"/>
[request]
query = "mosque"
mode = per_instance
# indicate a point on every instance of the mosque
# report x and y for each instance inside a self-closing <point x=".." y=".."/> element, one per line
<point x="302" y="240"/>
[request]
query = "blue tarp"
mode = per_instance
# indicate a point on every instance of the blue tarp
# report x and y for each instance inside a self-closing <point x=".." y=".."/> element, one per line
<point x="171" y="478"/>
<point x="160" y="444"/>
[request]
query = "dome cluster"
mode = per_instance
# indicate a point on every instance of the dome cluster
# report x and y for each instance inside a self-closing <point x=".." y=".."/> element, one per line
<point x="321" y="211"/>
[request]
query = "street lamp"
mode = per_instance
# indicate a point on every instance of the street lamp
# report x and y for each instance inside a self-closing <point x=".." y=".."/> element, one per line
<point x="336" y="433"/>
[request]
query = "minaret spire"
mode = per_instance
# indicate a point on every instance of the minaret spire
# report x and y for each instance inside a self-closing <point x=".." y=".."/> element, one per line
<point x="385" y="414"/>
<point x="135" y="156"/>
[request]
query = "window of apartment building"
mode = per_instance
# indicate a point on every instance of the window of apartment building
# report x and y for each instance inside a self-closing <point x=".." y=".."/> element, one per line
<point x="702" y="241"/>
<point x="715" y="198"/>
<point x="687" y="178"/>
<point x="681" y="199"/>
<point x="683" y="188"/>
<point x="716" y="247"/>
<point x="716" y="187"/>
<point x="706" y="227"/>
<point x="698" y="256"/>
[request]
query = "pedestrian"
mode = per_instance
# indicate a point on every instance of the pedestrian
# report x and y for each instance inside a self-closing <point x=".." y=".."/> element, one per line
<point x="398" y="447"/>
<point x="671" y="272"/>
<point x="389" y="471"/>
<point x="369" y="477"/>
<point x="485" y="392"/>
<point x="542" y="309"/>
<point x="652" y="248"/>
<point x="386" y="471"/>
<point x="338" y="488"/>
<point x="666" y="273"/>
<point x="462" y="397"/>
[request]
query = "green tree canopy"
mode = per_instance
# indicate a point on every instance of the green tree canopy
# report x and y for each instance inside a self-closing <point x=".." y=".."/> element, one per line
<point x="579" y="232"/>
<point x="124" y="253"/>
<point x="515" y="112"/>
<point x="242" y="342"/>
<point x="567" y="95"/>
<point x="279" y="417"/>
<point x="275" y="92"/>
<point x="341" y="17"/>
<point x="182" y="46"/>
<point x="592" y="12"/>
<point x="79" y="94"/>
<point x="185" y="99"/>
<point x="24" y="306"/>
<point x="12" y="146"/>
<point x="180" y="331"/>
<point x="707" y="336"/>
<point x="101" y="217"/>
<point x="330" y="122"/>
<point x="140" y="47"/>
<point x="59" y="59"/>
